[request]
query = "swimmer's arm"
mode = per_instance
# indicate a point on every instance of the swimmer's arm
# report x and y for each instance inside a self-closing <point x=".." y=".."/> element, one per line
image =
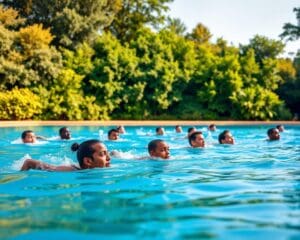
<point x="41" y="138"/>
<point x="35" y="164"/>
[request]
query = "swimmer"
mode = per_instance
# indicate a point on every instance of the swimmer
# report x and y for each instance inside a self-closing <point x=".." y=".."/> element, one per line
<point x="113" y="134"/>
<point x="273" y="134"/>
<point x="226" y="137"/>
<point x="196" y="140"/>
<point x="121" y="129"/>
<point x="212" y="127"/>
<point x="64" y="133"/>
<point x="178" y="129"/>
<point x="158" y="149"/>
<point x="160" y="131"/>
<point x="90" y="154"/>
<point x="29" y="136"/>
<point x="280" y="128"/>
<point x="190" y="131"/>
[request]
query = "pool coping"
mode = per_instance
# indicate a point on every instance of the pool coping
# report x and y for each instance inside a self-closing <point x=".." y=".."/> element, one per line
<point x="142" y="123"/>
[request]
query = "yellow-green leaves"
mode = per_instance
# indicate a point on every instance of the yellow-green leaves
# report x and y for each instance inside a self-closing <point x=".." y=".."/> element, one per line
<point x="19" y="104"/>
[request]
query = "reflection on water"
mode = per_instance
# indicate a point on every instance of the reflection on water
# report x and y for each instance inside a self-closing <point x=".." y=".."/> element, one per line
<point x="244" y="191"/>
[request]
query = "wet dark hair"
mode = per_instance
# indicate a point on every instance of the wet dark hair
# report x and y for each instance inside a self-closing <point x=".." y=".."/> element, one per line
<point x="153" y="144"/>
<point x="222" y="135"/>
<point x="111" y="131"/>
<point x="158" y="128"/>
<point x="85" y="149"/>
<point x="61" y="130"/>
<point x="23" y="136"/>
<point x="271" y="130"/>
<point x="191" y="129"/>
<point x="119" y="127"/>
<point x="193" y="136"/>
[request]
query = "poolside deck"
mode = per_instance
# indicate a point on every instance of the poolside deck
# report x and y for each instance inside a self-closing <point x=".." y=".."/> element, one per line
<point x="141" y="123"/>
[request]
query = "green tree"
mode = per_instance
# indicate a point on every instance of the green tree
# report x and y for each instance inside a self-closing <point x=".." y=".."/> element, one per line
<point x="65" y="100"/>
<point x="255" y="103"/>
<point x="291" y="31"/>
<point x="264" y="48"/>
<point x="200" y="34"/>
<point x="166" y="62"/>
<point x="176" y="25"/>
<point x="71" y="21"/>
<point x="289" y="91"/>
<point x="134" y="15"/>
<point x="26" y="59"/>
<point x="113" y="79"/>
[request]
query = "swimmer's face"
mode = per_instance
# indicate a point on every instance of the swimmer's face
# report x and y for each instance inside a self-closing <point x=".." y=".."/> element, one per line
<point x="160" y="131"/>
<point x="212" y="128"/>
<point x="199" y="141"/>
<point x="178" y="129"/>
<point x="228" y="139"/>
<point x="66" y="134"/>
<point x="274" y="135"/>
<point x="29" y="138"/>
<point x="161" y="151"/>
<point x="280" y="128"/>
<point x="121" y="129"/>
<point x="113" y="135"/>
<point x="100" y="157"/>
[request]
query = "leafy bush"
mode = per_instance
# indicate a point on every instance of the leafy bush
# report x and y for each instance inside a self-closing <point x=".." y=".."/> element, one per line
<point x="19" y="104"/>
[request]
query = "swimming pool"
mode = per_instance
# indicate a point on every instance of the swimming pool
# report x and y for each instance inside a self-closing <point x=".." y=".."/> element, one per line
<point x="250" y="189"/>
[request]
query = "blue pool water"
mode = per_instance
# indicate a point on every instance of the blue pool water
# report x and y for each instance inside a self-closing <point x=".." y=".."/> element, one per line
<point x="245" y="191"/>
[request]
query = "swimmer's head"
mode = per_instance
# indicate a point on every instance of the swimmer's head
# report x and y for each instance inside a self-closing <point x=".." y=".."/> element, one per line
<point x="159" y="148"/>
<point x="178" y="129"/>
<point x="64" y="133"/>
<point x="91" y="154"/>
<point x="113" y="134"/>
<point x="196" y="139"/>
<point x="280" y="128"/>
<point x="212" y="127"/>
<point x="160" y="131"/>
<point x="191" y="130"/>
<point x="121" y="129"/>
<point x="226" y="137"/>
<point x="28" y="136"/>
<point x="273" y="134"/>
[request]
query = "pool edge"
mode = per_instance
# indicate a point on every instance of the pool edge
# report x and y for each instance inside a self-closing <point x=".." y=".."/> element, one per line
<point x="141" y="123"/>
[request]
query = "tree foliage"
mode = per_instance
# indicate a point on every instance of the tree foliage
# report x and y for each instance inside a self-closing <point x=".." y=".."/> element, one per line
<point x="64" y="99"/>
<point x="291" y="31"/>
<point x="176" y="25"/>
<point x="26" y="59"/>
<point x="113" y="79"/>
<point x="134" y="15"/>
<point x="19" y="104"/>
<point x="200" y="34"/>
<point x="71" y="21"/>
<point x="131" y="71"/>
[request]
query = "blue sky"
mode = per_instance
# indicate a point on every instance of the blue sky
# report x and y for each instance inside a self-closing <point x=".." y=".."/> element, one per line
<point x="237" y="21"/>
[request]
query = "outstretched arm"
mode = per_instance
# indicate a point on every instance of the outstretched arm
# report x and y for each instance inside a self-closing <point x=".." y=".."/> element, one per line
<point x="41" y="138"/>
<point x="35" y="164"/>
